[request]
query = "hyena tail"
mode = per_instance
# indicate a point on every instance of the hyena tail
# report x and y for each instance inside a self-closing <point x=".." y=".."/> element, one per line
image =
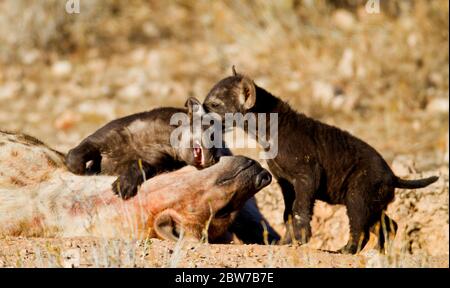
<point x="415" y="184"/>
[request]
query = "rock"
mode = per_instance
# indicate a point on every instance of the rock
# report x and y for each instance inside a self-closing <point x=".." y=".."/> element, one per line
<point x="293" y="86"/>
<point x="66" y="121"/>
<point x="345" y="66"/>
<point x="436" y="79"/>
<point x="138" y="55"/>
<point x="343" y="19"/>
<point x="416" y="125"/>
<point x="338" y="102"/>
<point x="61" y="68"/>
<point x="105" y="109"/>
<point x="335" y="98"/>
<point x="71" y="258"/>
<point x="412" y="40"/>
<point x="438" y="105"/>
<point x="150" y="30"/>
<point x="29" y="57"/>
<point x="31" y="88"/>
<point x="323" y="92"/>
<point x="402" y="166"/>
<point x="131" y="92"/>
<point x="9" y="90"/>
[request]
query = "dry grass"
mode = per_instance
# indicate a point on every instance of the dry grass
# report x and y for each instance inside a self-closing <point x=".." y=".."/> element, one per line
<point x="384" y="77"/>
<point x="339" y="66"/>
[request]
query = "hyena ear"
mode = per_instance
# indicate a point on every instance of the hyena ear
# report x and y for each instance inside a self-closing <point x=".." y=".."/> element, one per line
<point x="247" y="96"/>
<point x="233" y="68"/>
<point x="167" y="225"/>
<point x="195" y="107"/>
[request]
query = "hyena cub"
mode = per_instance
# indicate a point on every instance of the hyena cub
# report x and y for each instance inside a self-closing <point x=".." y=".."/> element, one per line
<point x="317" y="161"/>
<point x="137" y="147"/>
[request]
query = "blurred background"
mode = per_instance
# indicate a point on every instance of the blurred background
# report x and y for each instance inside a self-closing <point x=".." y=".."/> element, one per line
<point x="383" y="76"/>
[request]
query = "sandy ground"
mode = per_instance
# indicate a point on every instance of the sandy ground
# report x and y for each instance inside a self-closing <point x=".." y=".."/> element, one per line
<point x="87" y="252"/>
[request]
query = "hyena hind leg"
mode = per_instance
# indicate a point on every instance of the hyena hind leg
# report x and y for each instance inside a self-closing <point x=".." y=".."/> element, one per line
<point x="359" y="215"/>
<point x="385" y="229"/>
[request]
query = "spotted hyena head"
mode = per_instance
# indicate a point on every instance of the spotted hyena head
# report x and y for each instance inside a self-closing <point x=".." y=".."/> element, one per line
<point x="234" y="94"/>
<point x="193" y="200"/>
<point x="198" y="149"/>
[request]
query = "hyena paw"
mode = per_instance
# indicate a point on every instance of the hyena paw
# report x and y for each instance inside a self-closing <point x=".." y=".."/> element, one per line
<point x="296" y="235"/>
<point x="75" y="165"/>
<point x="348" y="249"/>
<point x="124" y="188"/>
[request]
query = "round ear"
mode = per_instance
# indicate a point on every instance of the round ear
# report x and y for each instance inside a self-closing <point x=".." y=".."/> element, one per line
<point x="248" y="93"/>
<point x="167" y="225"/>
<point x="194" y="107"/>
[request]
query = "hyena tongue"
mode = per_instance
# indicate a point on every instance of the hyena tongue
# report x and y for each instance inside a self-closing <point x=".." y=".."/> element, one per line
<point x="198" y="155"/>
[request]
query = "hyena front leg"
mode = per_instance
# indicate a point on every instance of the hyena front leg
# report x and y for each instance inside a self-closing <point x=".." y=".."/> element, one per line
<point x="251" y="227"/>
<point x="77" y="159"/>
<point x="128" y="183"/>
<point x="298" y="226"/>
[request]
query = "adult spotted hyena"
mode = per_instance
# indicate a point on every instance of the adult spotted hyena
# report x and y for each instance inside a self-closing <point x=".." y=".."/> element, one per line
<point x="40" y="197"/>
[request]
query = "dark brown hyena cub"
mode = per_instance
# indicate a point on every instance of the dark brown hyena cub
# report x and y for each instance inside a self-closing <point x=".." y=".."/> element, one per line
<point x="318" y="161"/>
<point x="137" y="147"/>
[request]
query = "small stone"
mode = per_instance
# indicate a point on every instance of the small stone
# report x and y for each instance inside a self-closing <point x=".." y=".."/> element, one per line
<point x="412" y="40"/>
<point x="323" y="92"/>
<point x="438" y="105"/>
<point x="344" y="20"/>
<point x="131" y="92"/>
<point x="105" y="109"/>
<point x="402" y="166"/>
<point x="416" y="125"/>
<point x="138" y="55"/>
<point x="9" y="90"/>
<point x="436" y="79"/>
<point x="66" y="121"/>
<point x="71" y="258"/>
<point x="62" y="68"/>
<point x="338" y="102"/>
<point x="150" y="30"/>
<point x="293" y="86"/>
<point x="29" y="57"/>
<point x="345" y="66"/>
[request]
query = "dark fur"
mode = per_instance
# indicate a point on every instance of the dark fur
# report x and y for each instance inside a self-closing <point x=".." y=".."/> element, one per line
<point x="115" y="149"/>
<point x="318" y="161"/>
<point x="251" y="227"/>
